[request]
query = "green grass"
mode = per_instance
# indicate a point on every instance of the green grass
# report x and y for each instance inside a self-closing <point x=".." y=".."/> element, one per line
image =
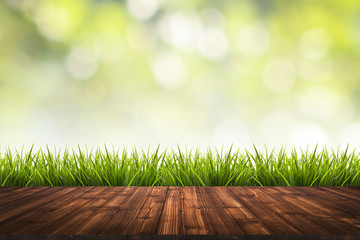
<point x="179" y="168"/>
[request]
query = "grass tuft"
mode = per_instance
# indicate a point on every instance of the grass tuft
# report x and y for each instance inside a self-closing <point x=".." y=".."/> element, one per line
<point x="179" y="168"/>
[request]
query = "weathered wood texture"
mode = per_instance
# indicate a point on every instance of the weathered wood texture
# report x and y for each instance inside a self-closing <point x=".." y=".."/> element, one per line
<point x="220" y="211"/>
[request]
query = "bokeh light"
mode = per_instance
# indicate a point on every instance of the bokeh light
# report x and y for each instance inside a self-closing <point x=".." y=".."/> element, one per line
<point x="314" y="44"/>
<point x="81" y="63"/>
<point x="200" y="73"/>
<point x="142" y="9"/>
<point x="180" y="29"/>
<point x="279" y="75"/>
<point x="169" y="70"/>
<point x="253" y="41"/>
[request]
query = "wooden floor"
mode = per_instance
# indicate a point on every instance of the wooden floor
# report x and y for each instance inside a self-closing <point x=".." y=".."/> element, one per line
<point x="180" y="210"/>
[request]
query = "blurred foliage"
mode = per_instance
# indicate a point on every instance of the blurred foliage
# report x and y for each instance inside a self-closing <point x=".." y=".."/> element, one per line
<point x="179" y="65"/>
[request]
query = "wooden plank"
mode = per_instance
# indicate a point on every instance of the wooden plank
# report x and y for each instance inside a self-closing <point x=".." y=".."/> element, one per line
<point x="220" y="218"/>
<point x="348" y="205"/>
<point x="274" y="222"/>
<point x="101" y="212"/>
<point x="201" y="212"/>
<point x="171" y="221"/>
<point x="36" y="217"/>
<point x="122" y="195"/>
<point x="241" y="214"/>
<point x="345" y="202"/>
<point x="119" y="222"/>
<point x="4" y="190"/>
<point x="317" y="207"/>
<point x="18" y="194"/>
<point x="345" y="193"/>
<point x="330" y="200"/>
<point x="295" y="216"/>
<point x="195" y="219"/>
<point x="321" y="192"/>
<point x="55" y="211"/>
<point x="18" y="208"/>
<point x="353" y="190"/>
<point x="146" y="221"/>
<point x="76" y="213"/>
<point x="66" y="200"/>
<point x="90" y="200"/>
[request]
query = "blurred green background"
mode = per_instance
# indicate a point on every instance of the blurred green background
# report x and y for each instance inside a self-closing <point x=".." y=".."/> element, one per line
<point x="200" y="73"/>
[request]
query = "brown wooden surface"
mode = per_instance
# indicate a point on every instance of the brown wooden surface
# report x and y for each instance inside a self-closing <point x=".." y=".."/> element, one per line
<point x="220" y="211"/>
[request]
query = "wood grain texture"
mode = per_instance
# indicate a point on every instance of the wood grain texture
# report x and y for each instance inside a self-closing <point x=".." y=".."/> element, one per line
<point x="220" y="218"/>
<point x="241" y="214"/>
<point x="171" y="219"/>
<point x="211" y="212"/>
<point x="325" y="209"/>
<point x="276" y="223"/>
<point x="126" y="212"/>
<point x="196" y="221"/>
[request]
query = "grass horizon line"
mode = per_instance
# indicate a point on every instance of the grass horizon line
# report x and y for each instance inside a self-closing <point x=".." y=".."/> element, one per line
<point x="179" y="168"/>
